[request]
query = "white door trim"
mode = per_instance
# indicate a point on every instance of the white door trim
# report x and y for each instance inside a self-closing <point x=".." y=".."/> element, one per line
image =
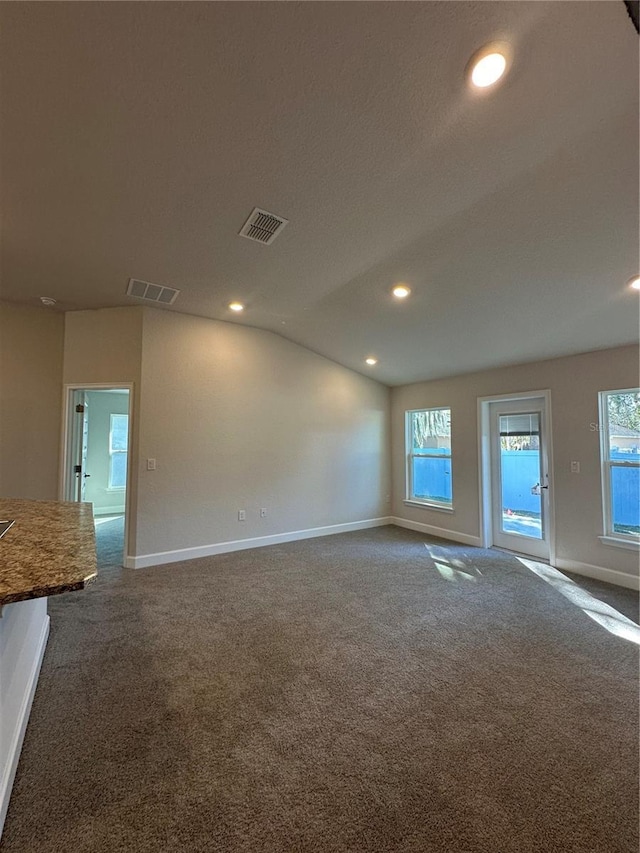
<point x="67" y="404"/>
<point x="484" y="464"/>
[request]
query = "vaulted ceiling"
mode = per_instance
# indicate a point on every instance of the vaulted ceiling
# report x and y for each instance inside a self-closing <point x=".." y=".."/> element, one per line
<point x="138" y="137"/>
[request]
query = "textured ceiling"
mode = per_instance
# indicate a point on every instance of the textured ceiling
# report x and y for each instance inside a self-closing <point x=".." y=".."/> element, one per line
<point x="137" y="138"/>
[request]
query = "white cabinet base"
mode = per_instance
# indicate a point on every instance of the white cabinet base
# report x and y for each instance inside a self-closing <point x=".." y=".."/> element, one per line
<point x="24" y="628"/>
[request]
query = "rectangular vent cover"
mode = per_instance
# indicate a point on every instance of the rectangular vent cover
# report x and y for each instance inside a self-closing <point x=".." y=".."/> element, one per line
<point x="262" y="226"/>
<point x="151" y="292"/>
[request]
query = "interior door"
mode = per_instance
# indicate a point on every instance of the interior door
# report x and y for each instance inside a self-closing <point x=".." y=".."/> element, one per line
<point x="78" y="446"/>
<point x="83" y="450"/>
<point x="519" y="477"/>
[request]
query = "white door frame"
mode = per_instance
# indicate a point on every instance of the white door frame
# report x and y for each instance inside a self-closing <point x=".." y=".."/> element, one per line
<point x="484" y="463"/>
<point x="65" y="465"/>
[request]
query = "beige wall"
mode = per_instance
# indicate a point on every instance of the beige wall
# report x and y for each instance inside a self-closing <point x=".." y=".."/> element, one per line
<point x="239" y="418"/>
<point x="31" y="345"/>
<point x="574" y="383"/>
<point x="103" y="345"/>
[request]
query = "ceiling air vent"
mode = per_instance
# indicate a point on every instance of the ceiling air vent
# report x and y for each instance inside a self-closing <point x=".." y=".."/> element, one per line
<point x="262" y="226"/>
<point x="151" y="292"/>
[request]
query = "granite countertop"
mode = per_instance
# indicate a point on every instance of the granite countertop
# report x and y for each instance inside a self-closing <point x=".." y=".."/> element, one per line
<point x="50" y="549"/>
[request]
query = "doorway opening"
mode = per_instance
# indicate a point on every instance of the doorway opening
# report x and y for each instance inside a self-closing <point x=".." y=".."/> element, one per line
<point x="96" y="462"/>
<point x="516" y="476"/>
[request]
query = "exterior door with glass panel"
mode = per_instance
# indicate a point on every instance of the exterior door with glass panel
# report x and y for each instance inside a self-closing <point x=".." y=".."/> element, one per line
<point x="519" y="477"/>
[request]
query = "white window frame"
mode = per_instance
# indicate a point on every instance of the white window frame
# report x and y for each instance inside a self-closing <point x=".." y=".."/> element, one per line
<point x="410" y="499"/>
<point x="611" y="536"/>
<point x="113" y="452"/>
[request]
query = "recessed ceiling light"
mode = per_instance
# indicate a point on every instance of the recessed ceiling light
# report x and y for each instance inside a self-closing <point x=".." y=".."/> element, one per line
<point x="236" y="306"/>
<point x="48" y="301"/>
<point x="401" y="291"/>
<point x="488" y="65"/>
<point x="635" y="283"/>
<point x="488" y="70"/>
<point x="371" y="360"/>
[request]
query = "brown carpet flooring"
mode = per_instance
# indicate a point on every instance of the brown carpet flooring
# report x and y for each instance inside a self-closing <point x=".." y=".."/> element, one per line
<point x="110" y="542"/>
<point x="370" y="692"/>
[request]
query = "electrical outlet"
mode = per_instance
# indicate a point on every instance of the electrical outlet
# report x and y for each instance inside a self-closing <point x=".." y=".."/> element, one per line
<point x="242" y="515"/>
<point x="263" y="512"/>
<point x="575" y="467"/>
<point x="151" y="464"/>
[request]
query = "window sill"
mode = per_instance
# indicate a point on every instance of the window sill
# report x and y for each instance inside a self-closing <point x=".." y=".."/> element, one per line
<point x="115" y="489"/>
<point x="629" y="544"/>
<point x="425" y="505"/>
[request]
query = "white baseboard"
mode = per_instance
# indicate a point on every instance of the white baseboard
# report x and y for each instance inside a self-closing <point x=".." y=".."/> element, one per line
<point x="599" y="573"/>
<point x="440" y="532"/>
<point x="108" y="510"/>
<point x="9" y="774"/>
<point x="163" y="557"/>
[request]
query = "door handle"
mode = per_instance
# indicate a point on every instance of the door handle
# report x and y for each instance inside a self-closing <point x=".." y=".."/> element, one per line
<point x="88" y="475"/>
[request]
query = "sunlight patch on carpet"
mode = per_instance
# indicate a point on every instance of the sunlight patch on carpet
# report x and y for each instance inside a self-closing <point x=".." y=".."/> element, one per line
<point x="602" y="613"/>
<point x="451" y="568"/>
<point x="454" y="575"/>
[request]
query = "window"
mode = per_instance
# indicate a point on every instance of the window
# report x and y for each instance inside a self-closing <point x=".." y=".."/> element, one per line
<point x="620" y="451"/>
<point x="429" y="457"/>
<point x="118" y="446"/>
